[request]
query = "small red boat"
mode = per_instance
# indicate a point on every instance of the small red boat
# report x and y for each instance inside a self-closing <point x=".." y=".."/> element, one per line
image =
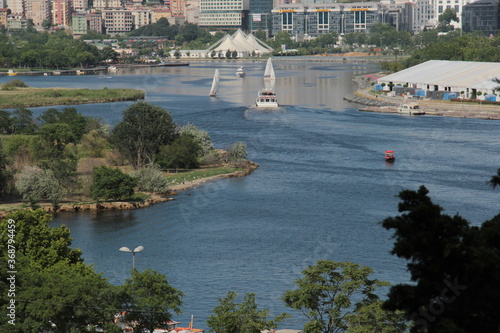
<point x="389" y="156"/>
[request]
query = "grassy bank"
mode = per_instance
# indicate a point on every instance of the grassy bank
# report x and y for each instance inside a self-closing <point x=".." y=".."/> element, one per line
<point x="33" y="97"/>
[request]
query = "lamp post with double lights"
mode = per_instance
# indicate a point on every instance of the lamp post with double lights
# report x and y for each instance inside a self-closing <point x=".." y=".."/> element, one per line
<point x="137" y="249"/>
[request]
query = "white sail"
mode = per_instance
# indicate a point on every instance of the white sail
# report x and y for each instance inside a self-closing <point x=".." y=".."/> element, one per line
<point x="215" y="84"/>
<point x="269" y="71"/>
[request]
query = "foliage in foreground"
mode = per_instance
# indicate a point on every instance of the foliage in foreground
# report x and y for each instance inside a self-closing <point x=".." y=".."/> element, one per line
<point x="150" y="300"/>
<point x="230" y="317"/>
<point x="327" y="292"/>
<point x="455" y="267"/>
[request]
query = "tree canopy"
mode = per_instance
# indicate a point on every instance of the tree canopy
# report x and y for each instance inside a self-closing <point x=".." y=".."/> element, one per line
<point x="326" y="293"/>
<point x="141" y="133"/>
<point x="150" y="300"/>
<point x="230" y="317"/>
<point x="455" y="267"/>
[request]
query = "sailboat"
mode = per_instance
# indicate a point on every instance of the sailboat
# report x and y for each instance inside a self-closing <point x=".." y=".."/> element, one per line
<point x="266" y="98"/>
<point x="215" y="84"/>
<point x="269" y="71"/>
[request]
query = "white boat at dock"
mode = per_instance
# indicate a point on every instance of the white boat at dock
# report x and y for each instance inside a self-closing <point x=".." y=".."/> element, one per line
<point x="411" y="109"/>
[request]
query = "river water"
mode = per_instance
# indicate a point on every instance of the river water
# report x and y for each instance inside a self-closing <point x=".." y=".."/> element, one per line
<point x="320" y="192"/>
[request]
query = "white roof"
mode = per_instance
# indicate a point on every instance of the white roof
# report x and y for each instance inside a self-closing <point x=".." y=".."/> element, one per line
<point x="463" y="74"/>
<point x="241" y="43"/>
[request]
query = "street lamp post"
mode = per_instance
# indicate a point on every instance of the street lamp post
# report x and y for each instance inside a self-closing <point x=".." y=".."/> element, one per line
<point x="137" y="249"/>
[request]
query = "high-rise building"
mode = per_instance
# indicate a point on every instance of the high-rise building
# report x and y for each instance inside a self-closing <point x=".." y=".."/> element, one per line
<point x="224" y="13"/>
<point x="4" y="12"/>
<point x="117" y="21"/>
<point x="483" y="15"/>
<point x="61" y="12"/>
<point x="38" y="11"/>
<point x="16" y="7"/>
<point x="260" y="15"/>
<point x="80" y="5"/>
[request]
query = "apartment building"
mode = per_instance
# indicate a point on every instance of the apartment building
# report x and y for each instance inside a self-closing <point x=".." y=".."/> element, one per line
<point x="4" y="13"/>
<point x="105" y="4"/>
<point x="61" y="12"/>
<point x="16" y="7"/>
<point x="38" y="11"/>
<point x="117" y="21"/>
<point x="142" y="16"/>
<point x="79" y="24"/>
<point x="224" y="13"/>
<point x="80" y="5"/>
<point x="94" y="22"/>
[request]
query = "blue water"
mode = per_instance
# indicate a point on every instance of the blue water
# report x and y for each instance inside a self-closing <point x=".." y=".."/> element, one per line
<point x="320" y="192"/>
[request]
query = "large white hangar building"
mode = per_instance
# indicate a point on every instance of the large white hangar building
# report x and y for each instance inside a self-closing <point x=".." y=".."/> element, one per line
<point x="474" y="79"/>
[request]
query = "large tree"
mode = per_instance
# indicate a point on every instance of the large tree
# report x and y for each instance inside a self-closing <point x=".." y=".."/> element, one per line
<point x="230" y="317"/>
<point x="455" y="268"/>
<point x="150" y="300"/>
<point x="52" y="289"/>
<point x="327" y="291"/>
<point x="109" y="183"/>
<point x="141" y="133"/>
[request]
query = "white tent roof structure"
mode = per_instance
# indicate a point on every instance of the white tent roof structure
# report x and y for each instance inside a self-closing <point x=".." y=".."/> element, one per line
<point x="445" y="73"/>
<point x="240" y="42"/>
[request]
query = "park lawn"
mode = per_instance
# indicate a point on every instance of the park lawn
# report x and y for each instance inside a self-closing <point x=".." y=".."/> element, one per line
<point x="34" y="97"/>
<point x="175" y="178"/>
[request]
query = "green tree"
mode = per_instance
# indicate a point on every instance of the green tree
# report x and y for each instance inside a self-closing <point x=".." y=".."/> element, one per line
<point x="109" y="183"/>
<point x="43" y="246"/>
<point x="55" y="137"/>
<point x="238" y="151"/>
<point x="6" y="122"/>
<point x="326" y="292"/>
<point x="373" y="318"/>
<point x="141" y="133"/>
<point x="448" y="15"/>
<point x="229" y="317"/>
<point x="65" y="298"/>
<point x="150" y="300"/>
<point x="4" y="174"/>
<point x="201" y="138"/>
<point x="77" y="122"/>
<point x="454" y="267"/>
<point x="150" y="179"/>
<point x="35" y="184"/>
<point x="495" y="180"/>
<point x="55" y="291"/>
<point x="181" y="154"/>
<point x="23" y="121"/>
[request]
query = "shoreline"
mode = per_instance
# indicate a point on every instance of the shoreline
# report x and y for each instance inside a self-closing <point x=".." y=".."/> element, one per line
<point x="388" y="104"/>
<point x="132" y="205"/>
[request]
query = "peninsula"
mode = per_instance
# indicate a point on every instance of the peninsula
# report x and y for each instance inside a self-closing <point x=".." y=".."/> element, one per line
<point x="14" y="96"/>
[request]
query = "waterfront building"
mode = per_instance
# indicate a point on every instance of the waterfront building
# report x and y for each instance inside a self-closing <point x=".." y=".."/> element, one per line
<point x="38" y="11"/>
<point x="320" y="18"/>
<point x="61" y="12"/>
<point x="224" y="14"/>
<point x="482" y="16"/>
<point x="117" y="21"/>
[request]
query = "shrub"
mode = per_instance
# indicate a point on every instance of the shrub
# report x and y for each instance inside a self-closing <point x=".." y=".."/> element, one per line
<point x="35" y="184"/>
<point x="238" y="151"/>
<point x="150" y="179"/>
<point x="181" y="154"/>
<point x="201" y="138"/>
<point x="16" y="83"/>
<point x="111" y="183"/>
